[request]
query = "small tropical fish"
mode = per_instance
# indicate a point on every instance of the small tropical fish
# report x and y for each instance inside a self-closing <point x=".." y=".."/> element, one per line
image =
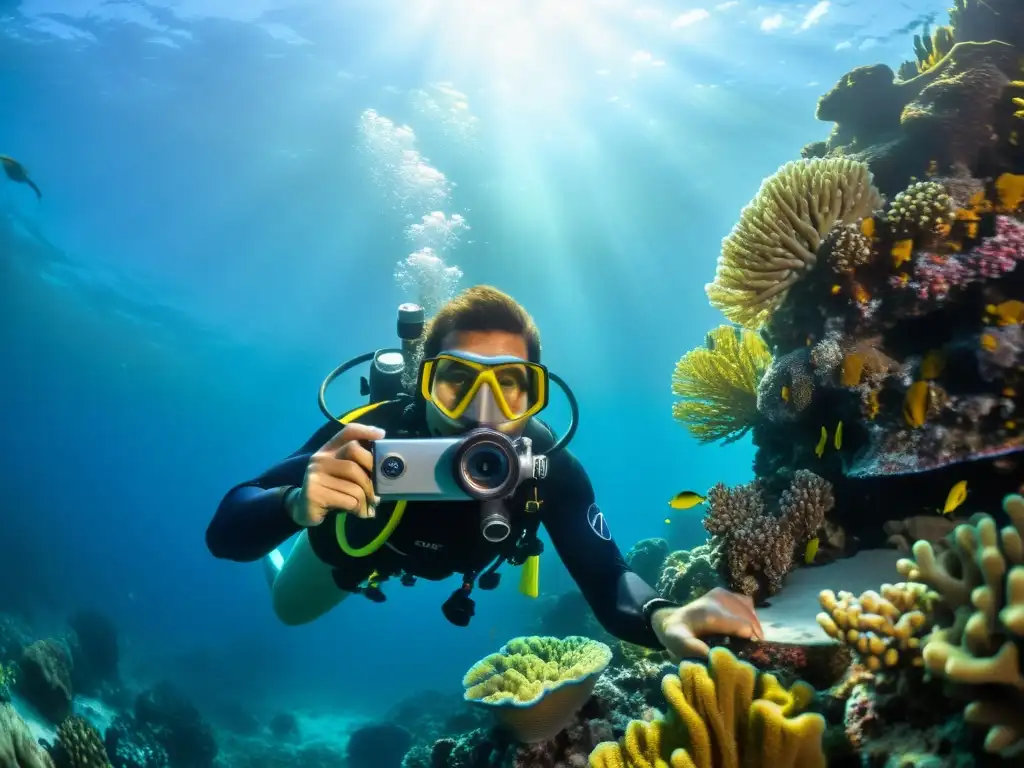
<point x="838" y="438"/>
<point x="784" y="393"/>
<point x="1010" y="192"/>
<point x="811" y="550"/>
<point x="668" y="520"/>
<point x="836" y="289"/>
<point x="1009" y="312"/>
<point x="933" y="364"/>
<point x="956" y="496"/>
<point x="860" y="294"/>
<point x="16" y="172"/>
<point x="901" y="252"/>
<point x="686" y="500"/>
<point x="819" y="449"/>
<point x="988" y="342"/>
<point x="853" y="367"/>
<point x="915" y="403"/>
<point x="868" y="227"/>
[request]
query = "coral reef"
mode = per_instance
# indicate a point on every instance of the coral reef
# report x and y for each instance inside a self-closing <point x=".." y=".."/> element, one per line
<point x="687" y="574"/>
<point x="776" y="240"/>
<point x="17" y="747"/>
<point x="980" y="579"/>
<point x="79" y="745"/>
<point x="536" y="684"/>
<point x="45" y="678"/>
<point x="647" y="557"/>
<point x="761" y="543"/>
<point x="725" y="714"/>
<point x="718" y="384"/>
<point x="884" y="629"/>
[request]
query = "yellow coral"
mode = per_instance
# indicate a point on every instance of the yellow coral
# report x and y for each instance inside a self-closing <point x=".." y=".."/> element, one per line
<point x="776" y="240"/>
<point x="981" y="580"/>
<point x="722" y="716"/>
<point x="884" y="629"/>
<point x="718" y="384"/>
<point x="931" y="48"/>
<point x="537" y="684"/>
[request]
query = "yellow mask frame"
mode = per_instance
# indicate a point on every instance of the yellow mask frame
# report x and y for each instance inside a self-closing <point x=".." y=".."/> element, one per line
<point x="487" y="370"/>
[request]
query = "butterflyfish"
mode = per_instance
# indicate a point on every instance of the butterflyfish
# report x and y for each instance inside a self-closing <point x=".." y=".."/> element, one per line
<point x="686" y="500"/>
<point x="956" y="496"/>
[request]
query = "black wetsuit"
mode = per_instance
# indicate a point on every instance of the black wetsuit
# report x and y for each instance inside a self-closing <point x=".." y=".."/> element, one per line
<point x="438" y="539"/>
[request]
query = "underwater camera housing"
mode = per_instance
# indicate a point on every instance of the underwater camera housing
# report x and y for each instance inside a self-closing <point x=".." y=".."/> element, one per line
<point x="483" y="465"/>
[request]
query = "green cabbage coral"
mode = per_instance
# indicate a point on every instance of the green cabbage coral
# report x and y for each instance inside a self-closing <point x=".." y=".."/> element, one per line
<point x="537" y="684"/>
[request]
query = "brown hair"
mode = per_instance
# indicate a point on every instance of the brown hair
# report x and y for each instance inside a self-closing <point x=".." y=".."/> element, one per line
<point x="481" y="308"/>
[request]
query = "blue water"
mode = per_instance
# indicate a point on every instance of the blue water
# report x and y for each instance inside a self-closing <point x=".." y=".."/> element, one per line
<point x="209" y="244"/>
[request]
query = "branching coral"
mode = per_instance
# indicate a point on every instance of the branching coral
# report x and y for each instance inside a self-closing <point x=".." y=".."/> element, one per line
<point x="929" y="48"/>
<point x="924" y="206"/>
<point x="537" y="684"/>
<point x="759" y="545"/>
<point x="718" y="384"/>
<point x="724" y="715"/>
<point x="981" y="579"/>
<point x="884" y="629"/>
<point x="776" y="240"/>
<point x="79" y="745"/>
<point x="848" y="248"/>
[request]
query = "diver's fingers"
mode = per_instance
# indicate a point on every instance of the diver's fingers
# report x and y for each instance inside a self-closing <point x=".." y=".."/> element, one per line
<point x="330" y="498"/>
<point x="745" y="609"/>
<point x="351" y="432"/>
<point x="354" y="451"/>
<point x="343" y="469"/>
<point x="681" y="643"/>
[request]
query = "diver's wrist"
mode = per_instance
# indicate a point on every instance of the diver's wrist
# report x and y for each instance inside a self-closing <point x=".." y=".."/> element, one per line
<point x="292" y="496"/>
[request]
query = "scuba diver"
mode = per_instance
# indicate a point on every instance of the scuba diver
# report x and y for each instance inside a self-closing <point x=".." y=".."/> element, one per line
<point x="455" y="479"/>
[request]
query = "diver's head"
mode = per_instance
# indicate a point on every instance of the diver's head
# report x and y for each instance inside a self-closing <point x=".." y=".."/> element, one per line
<point x="481" y="365"/>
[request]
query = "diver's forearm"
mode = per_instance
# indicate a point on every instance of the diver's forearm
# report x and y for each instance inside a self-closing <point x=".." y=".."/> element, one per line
<point x="626" y="613"/>
<point x="249" y="523"/>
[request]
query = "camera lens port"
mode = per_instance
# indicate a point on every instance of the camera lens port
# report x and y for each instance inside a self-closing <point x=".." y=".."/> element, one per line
<point x="487" y="465"/>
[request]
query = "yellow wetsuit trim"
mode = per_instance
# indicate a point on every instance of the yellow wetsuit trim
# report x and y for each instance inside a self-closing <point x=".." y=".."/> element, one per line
<point x="396" y="515"/>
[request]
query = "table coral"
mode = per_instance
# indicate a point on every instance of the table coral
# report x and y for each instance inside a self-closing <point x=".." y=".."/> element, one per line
<point x="536" y="684"/>
<point x="722" y="715"/>
<point x="981" y="580"/>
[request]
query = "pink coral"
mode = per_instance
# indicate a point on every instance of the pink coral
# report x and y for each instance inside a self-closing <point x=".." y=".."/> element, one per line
<point x="935" y="275"/>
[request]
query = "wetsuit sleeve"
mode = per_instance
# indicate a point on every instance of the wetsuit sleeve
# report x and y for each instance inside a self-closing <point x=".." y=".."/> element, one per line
<point x="581" y="536"/>
<point x="251" y="519"/>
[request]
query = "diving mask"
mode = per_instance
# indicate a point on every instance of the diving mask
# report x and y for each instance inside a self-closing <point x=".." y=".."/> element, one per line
<point x="470" y="390"/>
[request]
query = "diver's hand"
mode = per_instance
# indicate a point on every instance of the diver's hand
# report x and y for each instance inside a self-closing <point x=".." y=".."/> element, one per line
<point x="337" y="477"/>
<point x="719" y="612"/>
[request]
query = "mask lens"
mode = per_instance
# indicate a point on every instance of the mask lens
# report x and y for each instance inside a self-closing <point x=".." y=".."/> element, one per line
<point x="452" y="382"/>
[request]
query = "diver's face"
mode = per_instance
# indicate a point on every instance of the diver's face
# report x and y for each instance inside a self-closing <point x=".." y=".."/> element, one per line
<point x="486" y="344"/>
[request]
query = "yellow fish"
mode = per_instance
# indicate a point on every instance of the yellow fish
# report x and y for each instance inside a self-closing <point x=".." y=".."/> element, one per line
<point x="867" y="227"/>
<point x="785" y="393"/>
<point x="915" y="404"/>
<point x="957" y="495"/>
<point x="668" y="520"/>
<point x="932" y="365"/>
<point x="838" y="439"/>
<point x="1009" y="312"/>
<point x="686" y="500"/>
<point x="820" y="447"/>
<point x="901" y="252"/>
<point x="811" y="550"/>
